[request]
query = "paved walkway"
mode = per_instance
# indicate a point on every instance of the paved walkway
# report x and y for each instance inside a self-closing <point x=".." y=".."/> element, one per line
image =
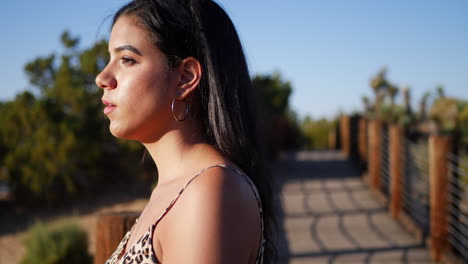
<point x="328" y="215"/>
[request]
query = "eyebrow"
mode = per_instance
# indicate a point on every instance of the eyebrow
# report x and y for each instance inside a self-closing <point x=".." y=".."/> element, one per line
<point x="128" y="47"/>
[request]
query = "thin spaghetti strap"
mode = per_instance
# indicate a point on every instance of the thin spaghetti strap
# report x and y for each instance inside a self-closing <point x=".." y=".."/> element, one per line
<point x="261" y="248"/>
<point x="182" y="190"/>
<point x="254" y="190"/>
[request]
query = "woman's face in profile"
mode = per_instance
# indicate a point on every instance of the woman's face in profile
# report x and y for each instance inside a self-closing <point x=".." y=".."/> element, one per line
<point x="138" y="88"/>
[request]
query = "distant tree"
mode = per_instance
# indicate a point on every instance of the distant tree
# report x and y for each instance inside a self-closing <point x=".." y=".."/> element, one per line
<point x="423" y="106"/>
<point x="56" y="145"/>
<point x="392" y="92"/>
<point x="41" y="72"/>
<point x="366" y="102"/>
<point x="385" y="107"/>
<point x="281" y="123"/>
<point x="379" y="85"/>
<point x="316" y="132"/>
<point x="440" y="91"/>
<point x="407" y="100"/>
<point x="379" y="81"/>
<point x="463" y="126"/>
<point x="68" y="41"/>
<point x="274" y="93"/>
<point x="449" y="114"/>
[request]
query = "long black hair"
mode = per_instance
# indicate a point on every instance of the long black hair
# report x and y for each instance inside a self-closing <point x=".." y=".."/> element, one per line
<point x="202" y="29"/>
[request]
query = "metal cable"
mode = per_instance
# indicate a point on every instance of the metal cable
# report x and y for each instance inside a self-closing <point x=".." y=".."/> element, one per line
<point x="385" y="161"/>
<point x="416" y="181"/>
<point x="458" y="205"/>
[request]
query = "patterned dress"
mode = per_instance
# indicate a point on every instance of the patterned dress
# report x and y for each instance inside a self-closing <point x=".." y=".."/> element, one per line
<point x="142" y="251"/>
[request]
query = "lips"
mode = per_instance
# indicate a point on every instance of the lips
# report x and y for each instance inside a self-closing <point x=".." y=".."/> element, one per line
<point x="109" y="106"/>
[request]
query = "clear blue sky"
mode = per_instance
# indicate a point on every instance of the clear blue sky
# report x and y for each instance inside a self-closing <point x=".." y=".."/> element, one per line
<point x="328" y="49"/>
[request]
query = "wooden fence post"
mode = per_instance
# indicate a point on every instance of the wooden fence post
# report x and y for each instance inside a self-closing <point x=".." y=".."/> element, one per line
<point x="345" y="128"/>
<point x="362" y="139"/>
<point x="110" y="229"/>
<point x="396" y="169"/>
<point x="374" y="161"/>
<point x="439" y="146"/>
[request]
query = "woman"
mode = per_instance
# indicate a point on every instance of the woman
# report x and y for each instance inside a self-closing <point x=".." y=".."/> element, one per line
<point x="177" y="81"/>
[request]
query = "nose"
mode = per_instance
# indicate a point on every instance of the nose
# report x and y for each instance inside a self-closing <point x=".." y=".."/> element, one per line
<point x="106" y="80"/>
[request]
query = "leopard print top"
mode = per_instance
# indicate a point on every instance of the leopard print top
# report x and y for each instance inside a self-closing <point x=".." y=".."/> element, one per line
<point x="142" y="251"/>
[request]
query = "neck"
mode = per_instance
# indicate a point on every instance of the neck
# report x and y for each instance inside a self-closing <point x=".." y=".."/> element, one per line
<point x="177" y="150"/>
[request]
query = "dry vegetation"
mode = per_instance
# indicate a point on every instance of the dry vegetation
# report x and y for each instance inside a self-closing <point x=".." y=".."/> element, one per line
<point x="13" y="228"/>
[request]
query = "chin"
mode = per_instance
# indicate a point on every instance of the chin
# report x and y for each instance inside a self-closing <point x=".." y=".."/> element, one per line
<point x="125" y="133"/>
<point x="118" y="132"/>
<point x="136" y="131"/>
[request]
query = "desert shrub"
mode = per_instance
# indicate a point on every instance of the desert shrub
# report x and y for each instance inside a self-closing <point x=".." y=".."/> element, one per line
<point x="61" y="242"/>
<point x="444" y="112"/>
<point x="463" y="124"/>
<point x="316" y="132"/>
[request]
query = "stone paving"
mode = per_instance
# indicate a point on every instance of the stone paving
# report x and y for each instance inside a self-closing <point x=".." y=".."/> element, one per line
<point x="328" y="215"/>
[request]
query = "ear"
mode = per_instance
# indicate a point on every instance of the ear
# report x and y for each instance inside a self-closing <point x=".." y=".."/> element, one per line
<point x="190" y="74"/>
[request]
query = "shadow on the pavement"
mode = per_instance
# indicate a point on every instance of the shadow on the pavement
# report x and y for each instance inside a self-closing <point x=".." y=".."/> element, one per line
<point x="326" y="175"/>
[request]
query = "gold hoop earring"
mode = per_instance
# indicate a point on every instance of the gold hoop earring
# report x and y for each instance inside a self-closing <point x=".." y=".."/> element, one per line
<point x="187" y="109"/>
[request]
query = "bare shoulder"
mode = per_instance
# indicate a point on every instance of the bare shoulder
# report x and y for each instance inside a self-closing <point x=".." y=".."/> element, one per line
<point x="217" y="218"/>
<point x="222" y="183"/>
<point x="222" y="192"/>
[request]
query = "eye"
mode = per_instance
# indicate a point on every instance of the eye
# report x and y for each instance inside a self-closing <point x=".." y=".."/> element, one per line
<point x="127" y="61"/>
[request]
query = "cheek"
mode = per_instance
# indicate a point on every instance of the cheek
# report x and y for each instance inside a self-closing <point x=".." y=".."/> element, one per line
<point x="141" y="117"/>
<point x="146" y="87"/>
<point x="146" y="102"/>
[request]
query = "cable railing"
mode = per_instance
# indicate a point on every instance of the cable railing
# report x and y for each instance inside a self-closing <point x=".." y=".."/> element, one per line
<point x="385" y="161"/>
<point x="363" y="144"/>
<point x="435" y="210"/>
<point x="416" y="182"/>
<point x="458" y="204"/>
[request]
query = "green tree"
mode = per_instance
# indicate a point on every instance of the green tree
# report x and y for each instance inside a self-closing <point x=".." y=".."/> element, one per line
<point x="366" y="102"/>
<point x="423" y="106"/>
<point x="274" y="93"/>
<point x="392" y="92"/>
<point x="407" y="100"/>
<point x="281" y="126"/>
<point x="385" y="107"/>
<point x="316" y="132"/>
<point x="440" y="91"/>
<point x="56" y="145"/>
<point x="379" y="85"/>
